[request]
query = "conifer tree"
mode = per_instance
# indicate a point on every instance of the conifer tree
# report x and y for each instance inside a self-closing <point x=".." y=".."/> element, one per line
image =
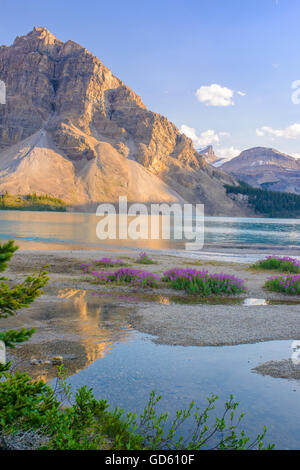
<point x="13" y="297"/>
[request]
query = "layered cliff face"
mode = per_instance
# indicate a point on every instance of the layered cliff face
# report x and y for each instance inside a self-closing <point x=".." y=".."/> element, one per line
<point x="266" y="168"/>
<point x="72" y="129"/>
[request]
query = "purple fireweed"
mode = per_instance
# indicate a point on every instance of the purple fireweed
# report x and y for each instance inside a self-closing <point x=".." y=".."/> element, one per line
<point x="203" y="283"/>
<point x="144" y="258"/>
<point x="288" y="259"/>
<point x="109" y="262"/>
<point x="85" y="267"/>
<point x="191" y="280"/>
<point x="133" y="277"/>
<point x="280" y="263"/>
<point x="287" y="284"/>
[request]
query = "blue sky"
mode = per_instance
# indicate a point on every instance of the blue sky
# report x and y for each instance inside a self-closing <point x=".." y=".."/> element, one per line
<point x="166" y="50"/>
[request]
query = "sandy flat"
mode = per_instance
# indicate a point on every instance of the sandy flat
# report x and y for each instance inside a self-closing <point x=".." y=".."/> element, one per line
<point x="218" y="325"/>
<point x="284" y="369"/>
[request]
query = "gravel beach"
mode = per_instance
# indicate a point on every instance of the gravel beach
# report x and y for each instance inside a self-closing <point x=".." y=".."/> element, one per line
<point x="218" y="325"/>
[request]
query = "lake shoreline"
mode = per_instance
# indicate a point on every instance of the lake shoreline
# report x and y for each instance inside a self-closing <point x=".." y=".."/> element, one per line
<point x="244" y="254"/>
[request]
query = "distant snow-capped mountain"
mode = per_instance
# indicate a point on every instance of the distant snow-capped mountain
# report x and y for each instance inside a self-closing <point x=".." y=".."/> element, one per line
<point x="267" y="168"/>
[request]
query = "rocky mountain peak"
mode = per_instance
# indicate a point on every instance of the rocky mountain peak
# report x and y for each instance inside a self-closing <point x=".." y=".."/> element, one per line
<point x="262" y="156"/>
<point x="209" y="154"/>
<point x="42" y="33"/>
<point x="72" y="129"/>
<point x="38" y="38"/>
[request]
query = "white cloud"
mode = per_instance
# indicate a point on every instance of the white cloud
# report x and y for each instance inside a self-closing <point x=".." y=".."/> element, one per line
<point x="205" y="138"/>
<point x="228" y="153"/>
<point x="290" y="132"/>
<point x="210" y="137"/>
<point x="216" y="95"/>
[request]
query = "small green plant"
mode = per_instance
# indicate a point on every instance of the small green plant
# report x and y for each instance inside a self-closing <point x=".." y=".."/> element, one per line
<point x="158" y="435"/>
<point x="281" y="264"/>
<point x="145" y="259"/>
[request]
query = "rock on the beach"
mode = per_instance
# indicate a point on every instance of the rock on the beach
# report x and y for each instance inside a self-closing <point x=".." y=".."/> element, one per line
<point x="34" y="362"/>
<point x="57" y="360"/>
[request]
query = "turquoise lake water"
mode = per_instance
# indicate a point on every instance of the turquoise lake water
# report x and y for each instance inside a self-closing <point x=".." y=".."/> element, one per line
<point x="44" y="230"/>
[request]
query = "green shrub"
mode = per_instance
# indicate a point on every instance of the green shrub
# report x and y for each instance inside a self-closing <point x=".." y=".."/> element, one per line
<point x="88" y="424"/>
<point x="145" y="259"/>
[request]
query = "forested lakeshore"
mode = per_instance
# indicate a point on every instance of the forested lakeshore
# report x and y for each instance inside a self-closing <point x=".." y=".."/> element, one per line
<point x="266" y="202"/>
<point x="32" y="202"/>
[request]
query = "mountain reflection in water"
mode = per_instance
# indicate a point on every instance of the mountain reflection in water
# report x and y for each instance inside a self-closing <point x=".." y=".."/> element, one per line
<point x="80" y="327"/>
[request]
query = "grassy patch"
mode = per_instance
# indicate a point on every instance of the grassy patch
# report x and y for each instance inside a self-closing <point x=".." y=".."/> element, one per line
<point x="109" y="263"/>
<point x="32" y="202"/>
<point x="213" y="263"/>
<point x="103" y="263"/>
<point x="145" y="259"/>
